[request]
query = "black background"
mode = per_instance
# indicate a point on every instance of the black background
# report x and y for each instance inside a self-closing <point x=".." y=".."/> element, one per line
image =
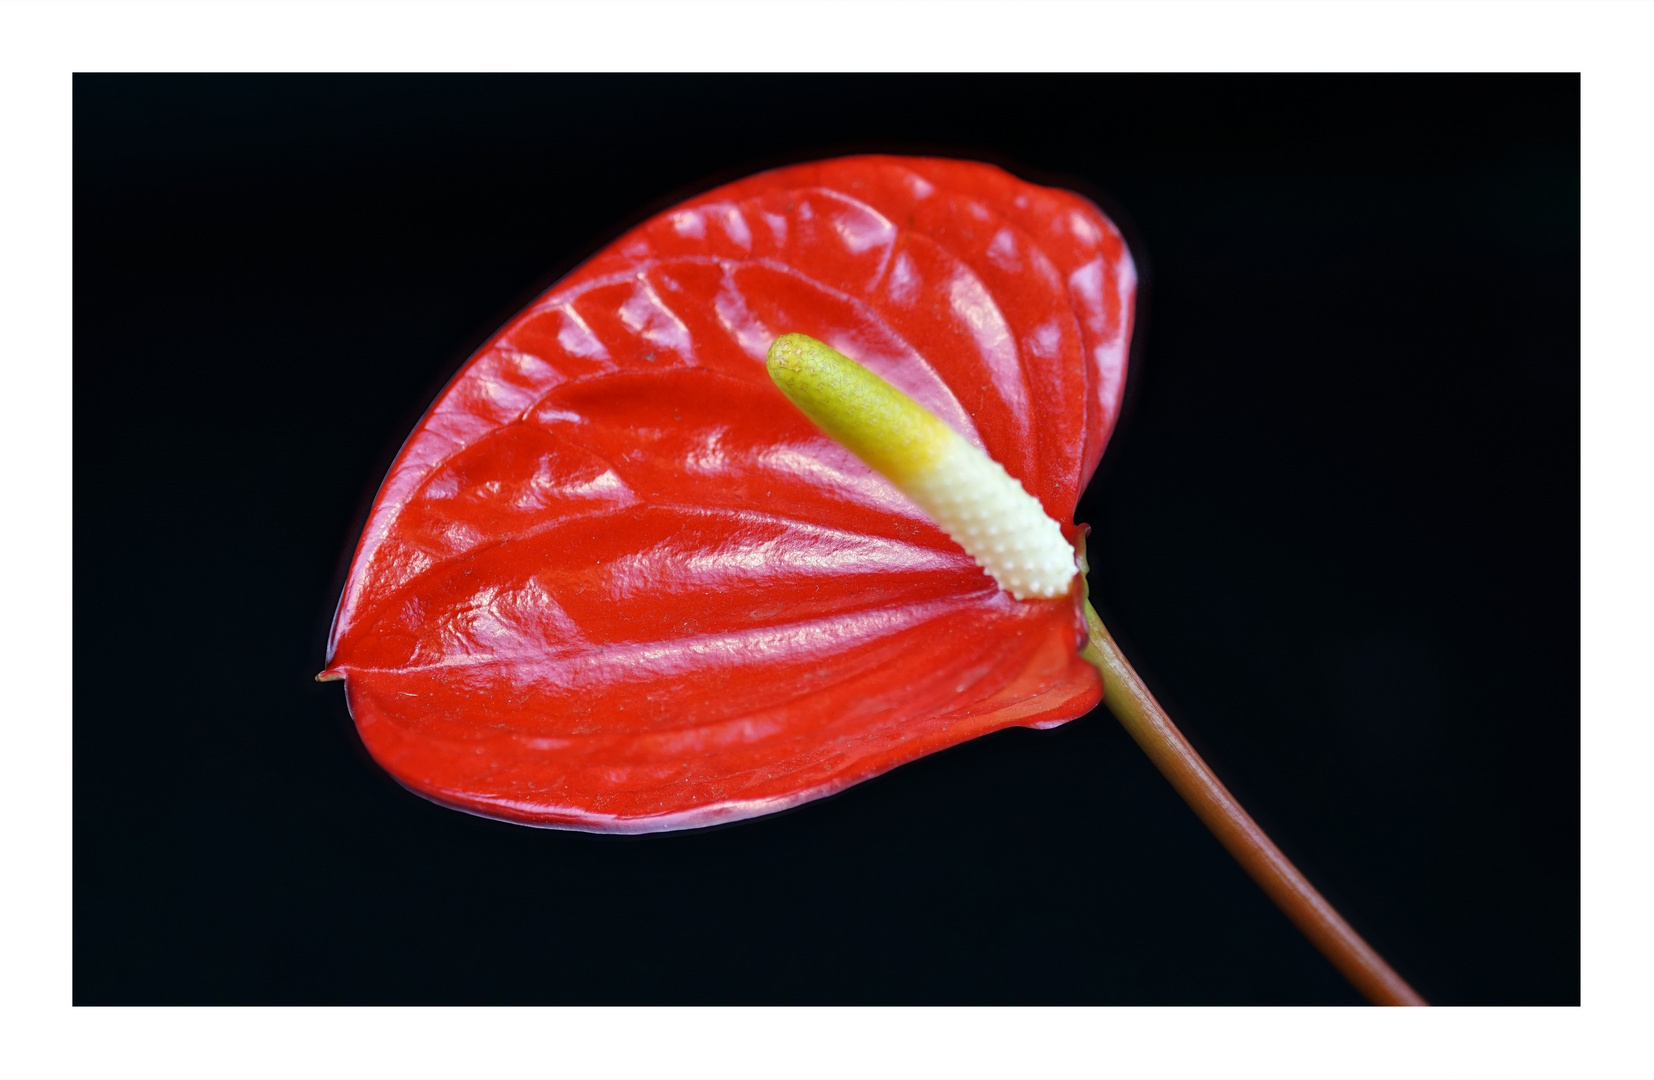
<point x="1337" y="531"/>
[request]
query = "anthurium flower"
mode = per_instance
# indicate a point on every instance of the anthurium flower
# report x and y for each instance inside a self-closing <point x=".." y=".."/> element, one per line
<point x="616" y="581"/>
<point x="772" y="495"/>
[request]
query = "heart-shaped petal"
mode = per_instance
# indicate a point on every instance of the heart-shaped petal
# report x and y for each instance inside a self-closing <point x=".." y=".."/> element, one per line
<point x="615" y="581"/>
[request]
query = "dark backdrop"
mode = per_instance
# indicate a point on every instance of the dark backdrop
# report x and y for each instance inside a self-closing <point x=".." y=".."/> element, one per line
<point x="1337" y="531"/>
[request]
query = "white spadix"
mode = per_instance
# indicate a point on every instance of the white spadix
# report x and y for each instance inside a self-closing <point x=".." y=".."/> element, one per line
<point x="964" y="491"/>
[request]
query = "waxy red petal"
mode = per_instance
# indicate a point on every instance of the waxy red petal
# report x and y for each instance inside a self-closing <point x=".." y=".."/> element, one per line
<point x="615" y="581"/>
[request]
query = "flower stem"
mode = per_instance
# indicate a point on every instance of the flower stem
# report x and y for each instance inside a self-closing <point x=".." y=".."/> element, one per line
<point x="1132" y="704"/>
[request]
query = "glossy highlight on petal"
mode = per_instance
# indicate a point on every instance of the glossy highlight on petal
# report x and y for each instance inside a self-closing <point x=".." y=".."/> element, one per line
<point x="615" y="581"/>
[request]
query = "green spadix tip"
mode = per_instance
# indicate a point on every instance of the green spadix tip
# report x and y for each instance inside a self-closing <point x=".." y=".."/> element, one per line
<point x="874" y="420"/>
<point x="964" y="491"/>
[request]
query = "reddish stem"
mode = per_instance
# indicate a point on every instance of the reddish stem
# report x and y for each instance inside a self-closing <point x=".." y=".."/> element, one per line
<point x="1132" y="704"/>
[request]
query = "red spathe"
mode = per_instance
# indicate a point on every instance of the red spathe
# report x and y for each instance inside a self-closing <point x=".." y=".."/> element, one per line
<point x="615" y="581"/>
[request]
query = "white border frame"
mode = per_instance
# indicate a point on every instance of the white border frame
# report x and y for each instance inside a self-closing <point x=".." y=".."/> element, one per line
<point x="41" y="1034"/>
